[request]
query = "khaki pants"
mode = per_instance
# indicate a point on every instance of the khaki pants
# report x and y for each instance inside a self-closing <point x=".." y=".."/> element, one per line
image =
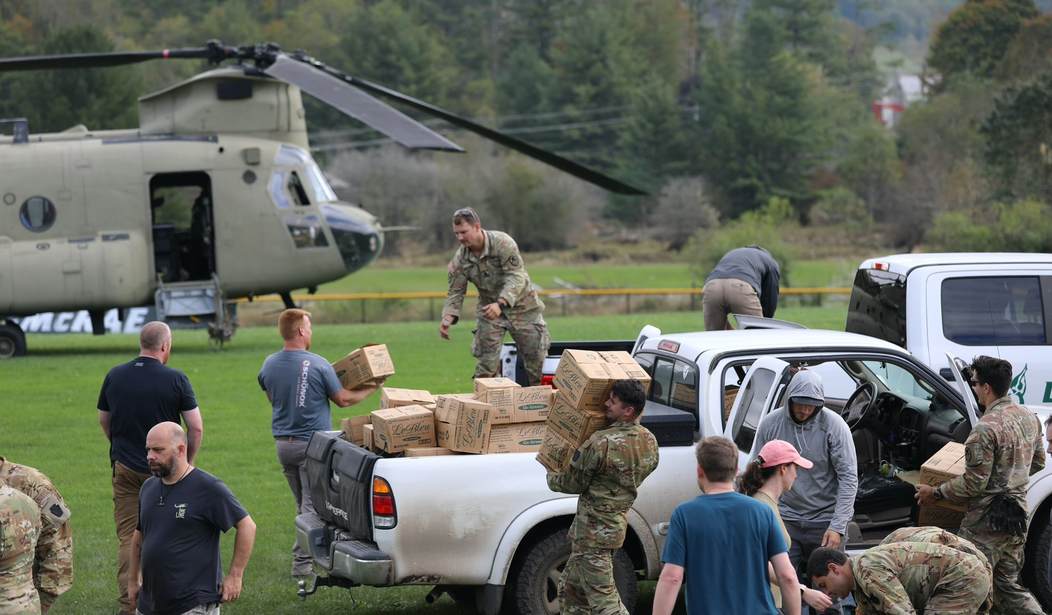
<point x="126" y="485"/>
<point x="728" y="296"/>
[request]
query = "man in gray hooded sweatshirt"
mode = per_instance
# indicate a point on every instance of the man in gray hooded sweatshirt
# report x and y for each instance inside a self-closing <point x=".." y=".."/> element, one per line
<point x="817" y="509"/>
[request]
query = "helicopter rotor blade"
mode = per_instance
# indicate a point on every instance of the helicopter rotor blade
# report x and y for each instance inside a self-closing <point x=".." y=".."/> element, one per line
<point x="550" y="158"/>
<point x="361" y="106"/>
<point x="214" y="52"/>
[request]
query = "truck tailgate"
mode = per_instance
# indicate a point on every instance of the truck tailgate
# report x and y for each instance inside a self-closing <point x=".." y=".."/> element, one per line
<point x="340" y="477"/>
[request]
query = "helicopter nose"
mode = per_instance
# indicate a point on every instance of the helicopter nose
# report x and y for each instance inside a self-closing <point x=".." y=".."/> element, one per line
<point x="357" y="233"/>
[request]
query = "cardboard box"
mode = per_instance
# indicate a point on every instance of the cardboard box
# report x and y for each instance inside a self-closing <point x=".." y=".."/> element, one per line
<point x="625" y="361"/>
<point x="391" y="397"/>
<point x="555" y="453"/>
<point x="532" y="404"/>
<point x="396" y="429"/>
<point x="429" y="451"/>
<point x="499" y="393"/>
<point x="367" y="437"/>
<point x="516" y="438"/>
<point x="462" y="424"/>
<point x="574" y="425"/>
<point x="352" y="428"/>
<point x="364" y="364"/>
<point x="586" y="385"/>
<point x="941" y="467"/>
<point x="940" y="517"/>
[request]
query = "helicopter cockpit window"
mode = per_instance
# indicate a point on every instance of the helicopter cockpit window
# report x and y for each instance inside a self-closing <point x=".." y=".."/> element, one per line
<point x="313" y="180"/>
<point x="306" y="231"/>
<point x="37" y="214"/>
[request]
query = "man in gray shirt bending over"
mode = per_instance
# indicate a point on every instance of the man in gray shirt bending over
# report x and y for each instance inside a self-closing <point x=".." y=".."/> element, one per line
<point x="299" y="385"/>
<point x="821" y="503"/>
<point x="745" y="281"/>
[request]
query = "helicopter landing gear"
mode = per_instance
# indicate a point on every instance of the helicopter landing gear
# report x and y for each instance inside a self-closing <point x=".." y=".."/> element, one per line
<point x="12" y="340"/>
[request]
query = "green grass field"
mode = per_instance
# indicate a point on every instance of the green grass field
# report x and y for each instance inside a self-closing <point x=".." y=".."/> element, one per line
<point x="50" y="422"/>
<point x="805" y="273"/>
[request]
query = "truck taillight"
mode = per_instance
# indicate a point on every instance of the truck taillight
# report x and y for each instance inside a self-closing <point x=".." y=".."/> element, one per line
<point x="547" y="379"/>
<point x="384" y="514"/>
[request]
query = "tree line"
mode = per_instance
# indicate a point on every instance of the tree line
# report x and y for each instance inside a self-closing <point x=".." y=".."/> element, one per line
<point x="718" y="108"/>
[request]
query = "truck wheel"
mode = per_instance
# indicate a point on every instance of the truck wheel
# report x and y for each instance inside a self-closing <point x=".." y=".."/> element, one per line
<point x="533" y="587"/>
<point x="12" y="340"/>
<point x="1040" y="567"/>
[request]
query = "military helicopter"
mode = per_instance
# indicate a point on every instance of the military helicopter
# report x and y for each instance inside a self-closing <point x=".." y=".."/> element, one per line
<point x="214" y="196"/>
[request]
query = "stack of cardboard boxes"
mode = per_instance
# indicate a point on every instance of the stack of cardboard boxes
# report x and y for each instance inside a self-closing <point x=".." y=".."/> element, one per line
<point x="583" y="381"/>
<point x="942" y="466"/>
<point x="499" y="417"/>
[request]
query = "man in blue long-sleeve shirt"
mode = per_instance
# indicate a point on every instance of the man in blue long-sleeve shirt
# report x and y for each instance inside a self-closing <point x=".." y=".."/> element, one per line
<point x="745" y="281"/>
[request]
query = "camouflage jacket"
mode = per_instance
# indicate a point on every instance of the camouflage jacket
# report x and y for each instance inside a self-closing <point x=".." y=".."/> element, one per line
<point x="606" y="470"/>
<point x="53" y="571"/>
<point x="1001" y="453"/>
<point x="899" y="578"/>
<point x="19" y="530"/>
<point x="498" y="273"/>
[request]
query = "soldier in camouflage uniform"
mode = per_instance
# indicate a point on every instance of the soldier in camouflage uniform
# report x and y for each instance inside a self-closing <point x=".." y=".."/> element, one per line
<point x="916" y="570"/>
<point x="19" y="531"/>
<point x="53" y="571"/>
<point x="606" y="471"/>
<point x="507" y="300"/>
<point x="1001" y="453"/>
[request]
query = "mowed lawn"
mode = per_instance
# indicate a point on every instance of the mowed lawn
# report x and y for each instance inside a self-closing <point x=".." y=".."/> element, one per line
<point x="378" y="278"/>
<point x="50" y="421"/>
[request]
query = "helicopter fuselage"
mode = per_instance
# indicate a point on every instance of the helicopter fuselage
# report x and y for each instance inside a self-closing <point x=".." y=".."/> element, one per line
<point x="216" y="184"/>
<point x="81" y="219"/>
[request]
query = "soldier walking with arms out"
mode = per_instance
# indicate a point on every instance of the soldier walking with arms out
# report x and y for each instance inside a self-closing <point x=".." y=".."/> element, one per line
<point x="606" y="471"/>
<point x="1001" y="453"/>
<point x="507" y="300"/>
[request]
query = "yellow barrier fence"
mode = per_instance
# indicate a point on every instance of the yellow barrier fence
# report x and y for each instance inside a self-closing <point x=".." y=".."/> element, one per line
<point x="554" y="293"/>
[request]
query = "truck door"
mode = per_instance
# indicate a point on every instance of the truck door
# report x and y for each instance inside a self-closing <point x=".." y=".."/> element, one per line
<point x="964" y="388"/>
<point x="758" y="392"/>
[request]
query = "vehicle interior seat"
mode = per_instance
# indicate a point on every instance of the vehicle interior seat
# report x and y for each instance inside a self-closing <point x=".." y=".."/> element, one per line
<point x="882" y="501"/>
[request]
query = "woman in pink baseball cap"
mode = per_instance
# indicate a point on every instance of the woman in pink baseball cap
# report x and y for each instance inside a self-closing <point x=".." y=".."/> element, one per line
<point x="766" y="478"/>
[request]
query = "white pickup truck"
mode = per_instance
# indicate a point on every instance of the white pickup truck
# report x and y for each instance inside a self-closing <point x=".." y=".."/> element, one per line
<point x="965" y="304"/>
<point x="487" y="530"/>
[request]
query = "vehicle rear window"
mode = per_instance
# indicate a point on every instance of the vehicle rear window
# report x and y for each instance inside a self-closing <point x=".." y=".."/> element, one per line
<point x="673" y="383"/>
<point x="878" y="306"/>
<point x="988" y="311"/>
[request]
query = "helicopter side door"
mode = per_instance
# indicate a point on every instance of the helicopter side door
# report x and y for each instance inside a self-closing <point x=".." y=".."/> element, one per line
<point x="182" y="226"/>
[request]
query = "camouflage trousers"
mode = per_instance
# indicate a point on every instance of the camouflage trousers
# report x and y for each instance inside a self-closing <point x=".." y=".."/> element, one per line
<point x="587" y="584"/>
<point x="1005" y="553"/>
<point x="965" y="590"/>
<point x="530" y="333"/>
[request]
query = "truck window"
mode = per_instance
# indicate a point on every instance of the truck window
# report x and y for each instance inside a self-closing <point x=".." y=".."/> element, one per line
<point x="751" y="409"/>
<point x="661" y="380"/>
<point x="684" y="395"/>
<point x="988" y="311"/>
<point x="878" y="306"/>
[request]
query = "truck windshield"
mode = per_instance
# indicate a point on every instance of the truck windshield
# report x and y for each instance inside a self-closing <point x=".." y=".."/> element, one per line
<point x="878" y="306"/>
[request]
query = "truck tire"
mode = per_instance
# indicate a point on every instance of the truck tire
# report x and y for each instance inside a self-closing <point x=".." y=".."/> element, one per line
<point x="533" y="586"/>
<point x="1039" y="567"/>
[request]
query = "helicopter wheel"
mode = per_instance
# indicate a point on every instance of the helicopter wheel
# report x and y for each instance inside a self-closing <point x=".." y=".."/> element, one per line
<point x="12" y="340"/>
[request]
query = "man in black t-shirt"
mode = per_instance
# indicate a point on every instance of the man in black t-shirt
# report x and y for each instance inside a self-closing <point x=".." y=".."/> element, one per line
<point x="182" y="511"/>
<point x="135" y="396"/>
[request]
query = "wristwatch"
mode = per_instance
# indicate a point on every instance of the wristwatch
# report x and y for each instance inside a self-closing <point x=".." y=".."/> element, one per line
<point x="937" y="494"/>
